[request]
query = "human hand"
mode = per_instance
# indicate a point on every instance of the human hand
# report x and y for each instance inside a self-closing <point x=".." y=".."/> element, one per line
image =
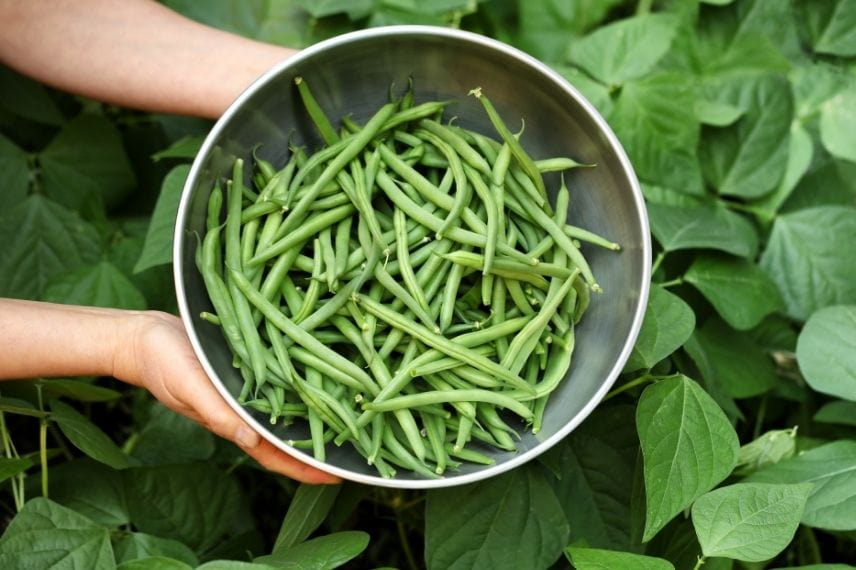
<point x="158" y="356"/>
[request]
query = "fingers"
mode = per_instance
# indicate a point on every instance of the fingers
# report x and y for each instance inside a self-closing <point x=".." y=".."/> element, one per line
<point x="276" y="460"/>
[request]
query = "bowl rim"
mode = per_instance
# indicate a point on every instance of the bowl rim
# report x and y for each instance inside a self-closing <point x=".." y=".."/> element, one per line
<point x="411" y="30"/>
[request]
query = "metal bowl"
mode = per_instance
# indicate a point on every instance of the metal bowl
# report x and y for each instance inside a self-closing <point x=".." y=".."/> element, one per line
<point x="351" y="74"/>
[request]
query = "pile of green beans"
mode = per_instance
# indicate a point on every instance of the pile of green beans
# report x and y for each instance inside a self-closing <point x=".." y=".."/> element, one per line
<point x="408" y="288"/>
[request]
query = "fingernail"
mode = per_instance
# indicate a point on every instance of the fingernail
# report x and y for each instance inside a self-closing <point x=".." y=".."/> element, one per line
<point x="245" y="437"/>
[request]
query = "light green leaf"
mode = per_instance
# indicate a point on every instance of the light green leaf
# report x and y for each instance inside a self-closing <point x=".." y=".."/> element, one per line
<point x="596" y="559"/>
<point x="47" y="535"/>
<point x="185" y="147"/>
<point x="832" y="469"/>
<point x="596" y="93"/>
<point x="702" y="228"/>
<point x="14" y="174"/>
<point x="322" y="553"/>
<point x="730" y="360"/>
<point x="87" y="157"/>
<point x="752" y="522"/>
<point x="41" y="239"/>
<point x="91" y="489"/>
<point x="830" y="182"/>
<point x="809" y="261"/>
<point x="190" y="441"/>
<point x="193" y="503"/>
<point x="717" y="113"/>
<point x="157" y="249"/>
<point x="819" y="567"/>
<point x="830" y="25"/>
<point x="740" y="292"/>
<point x="800" y="153"/>
<point x="815" y="83"/>
<point x="771" y="447"/>
<point x="513" y="520"/>
<point x="100" y="285"/>
<point x="838" y="412"/>
<point x="838" y="123"/>
<point x="86" y="436"/>
<point x="668" y="323"/>
<point x="626" y="49"/>
<point x="748" y="158"/>
<point x="309" y="507"/>
<point x="137" y="545"/>
<point x="717" y="2"/>
<point x="688" y="446"/>
<point x="11" y="466"/>
<point x="826" y="351"/>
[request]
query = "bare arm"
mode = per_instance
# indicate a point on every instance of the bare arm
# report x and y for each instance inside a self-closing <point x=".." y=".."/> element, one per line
<point x="132" y="53"/>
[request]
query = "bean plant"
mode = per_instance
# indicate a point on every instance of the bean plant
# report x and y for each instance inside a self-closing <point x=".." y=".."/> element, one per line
<point x="728" y="440"/>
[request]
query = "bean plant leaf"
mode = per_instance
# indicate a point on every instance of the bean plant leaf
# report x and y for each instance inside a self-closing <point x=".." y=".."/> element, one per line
<point x="86" y="436"/>
<point x="137" y="545"/>
<point x="626" y="49"/>
<point x="738" y="289"/>
<point x="309" y="507"/>
<point x="324" y="552"/>
<point x="768" y="449"/>
<point x="668" y="323"/>
<point x="837" y="412"/>
<point x="830" y="25"/>
<point x="190" y="441"/>
<point x="154" y="563"/>
<point x="832" y="469"/>
<point x="87" y="157"/>
<point x="838" y="123"/>
<point x="78" y="389"/>
<point x="752" y="522"/>
<point x="717" y="113"/>
<point x="45" y="534"/>
<point x="91" y="489"/>
<point x="688" y="447"/>
<point x="42" y="239"/>
<point x="11" y="466"/>
<point x="831" y="181"/>
<point x="826" y="351"/>
<point x="157" y="249"/>
<point x="27" y="98"/>
<point x="713" y="227"/>
<point x="100" y="285"/>
<point x="185" y="147"/>
<point x="800" y="153"/>
<point x="14" y="174"/>
<point x="597" y="559"/>
<point x="194" y="503"/>
<point x="807" y="258"/>
<point x="470" y="526"/>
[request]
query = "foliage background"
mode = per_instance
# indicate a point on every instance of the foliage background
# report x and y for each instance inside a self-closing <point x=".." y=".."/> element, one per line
<point x="740" y="119"/>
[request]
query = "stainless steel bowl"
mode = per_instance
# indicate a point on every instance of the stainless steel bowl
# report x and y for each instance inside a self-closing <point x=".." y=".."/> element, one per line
<point x="350" y="74"/>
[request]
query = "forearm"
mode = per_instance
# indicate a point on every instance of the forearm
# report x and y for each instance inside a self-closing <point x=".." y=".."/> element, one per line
<point x="46" y="339"/>
<point x="133" y="53"/>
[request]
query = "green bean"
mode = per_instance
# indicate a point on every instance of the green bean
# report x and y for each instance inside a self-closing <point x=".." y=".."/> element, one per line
<point x="507" y="269"/>
<point x="322" y="123"/>
<point x="316" y="426"/>
<point x="312" y="226"/>
<point x="558" y="164"/>
<point x="293" y="297"/>
<point x="435" y="431"/>
<point x="403" y="254"/>
<point x="444" y="396"/>
<point x="312" y="360"/>
<point x="467" y="153"/>
<point x="215" y="204"/>
<point x="450" y="293"/>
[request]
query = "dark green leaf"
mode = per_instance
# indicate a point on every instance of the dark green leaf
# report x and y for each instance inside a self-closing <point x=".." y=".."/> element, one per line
<point x="78" y="389"/>
<point x="668" y="323"/>
<point x="702" y="228"/>
<point x="194" y="503"/>
<point x="91" y="489"/>
<point x="14" y="174"/>
<point x="830" y="25"/>
<point x="19" y="406"/>
<point x="830" y="182"/>
<point x="838" y="122"/>
<point x="595" y="559"/>
<point x="100" y="285"/>
<point x="27" y="98"/>
<point x="688" y="446"/>
<point x="87" y="157"/>
<point x="11" y="466"/>
<point x="138" y="545"/>
<point x="322" y="553"/>
<point x="41" y="239"/>
<point x="154" y="563"/>
<point x="513" y="520"/>
<point x="185" y="147"/>
<point x="86" y="436"/>
<point x="158" y="246"/>
<point x="839" y="412"/>
<point x="832" y="469"/>
<point x="826" y="351"/>
<point x="189" y="440"/>
<point x="808" y="259"/>
<point x="741" y="293"/>
<point x="308" y="509"/>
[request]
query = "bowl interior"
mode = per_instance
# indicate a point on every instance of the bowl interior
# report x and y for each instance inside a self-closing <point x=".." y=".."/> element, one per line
<point x="351" y="75"/>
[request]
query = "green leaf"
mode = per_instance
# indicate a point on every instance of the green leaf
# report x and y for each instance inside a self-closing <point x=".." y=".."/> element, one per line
<point x="596" y="93"/>
<point x="688" y="447"/>
<point x="510" y="521"/>
<point x="86" y="436"/>
<point x="308" y="509"/>
<point x="800" y="153"/>
<point x="654" y="117"/>
<point x="193" y="503"/>
<point x="752" y="522"/>
<point x="808" y="258"/>
<point x="626" y="49"/>
<point x="322" y="553"/>
<point x="154" y="563"/>
<point x="91" y="489"/>
<point x="41" y="239"/>
<point x="19" y="406"/>
<point x="189" y="440"/>
<point x="185" y="147"/>
<point x="838" y="412"/>
<point x="826" y="351"/>
<point x="731" y="361"/>
<point x="27" y="98"/>
<point x="838" y="123"/>
<point x="830" y="25"/>
<point x="87" y="157"/>
<point x="819" y="567"/>
<point x="668" y="323"/>
<point x="137" y="545"/>
<point x="78" y="389"/>
<point x="748" y="158"/>
<point x="740" y="292"/>
<point x="46" y="535"/>
<point x="768" y="449"/>
<point x="157" y="249"/>
<point x="11" y="466"/>
<point x="596" y="559"/>
<point x="14" y="174"/>
<point x="717" y="113"/>
<point x="100" y="285"/>
<point x="832" y="468"/>
<point x="702" y="228"/>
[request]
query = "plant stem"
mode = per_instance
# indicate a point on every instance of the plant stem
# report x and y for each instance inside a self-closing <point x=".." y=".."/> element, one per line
<point x="17" y="481"/>
<point x="644" y="6"/>
<point x="657" y="261"/>
<point x="699" y="563"/>
<point x="632" y="384"/>
<point x="759" y="418"/>
<point x="43" y="441"/>
<point x="672" y="283"/>
<point x="405" y="545"/>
